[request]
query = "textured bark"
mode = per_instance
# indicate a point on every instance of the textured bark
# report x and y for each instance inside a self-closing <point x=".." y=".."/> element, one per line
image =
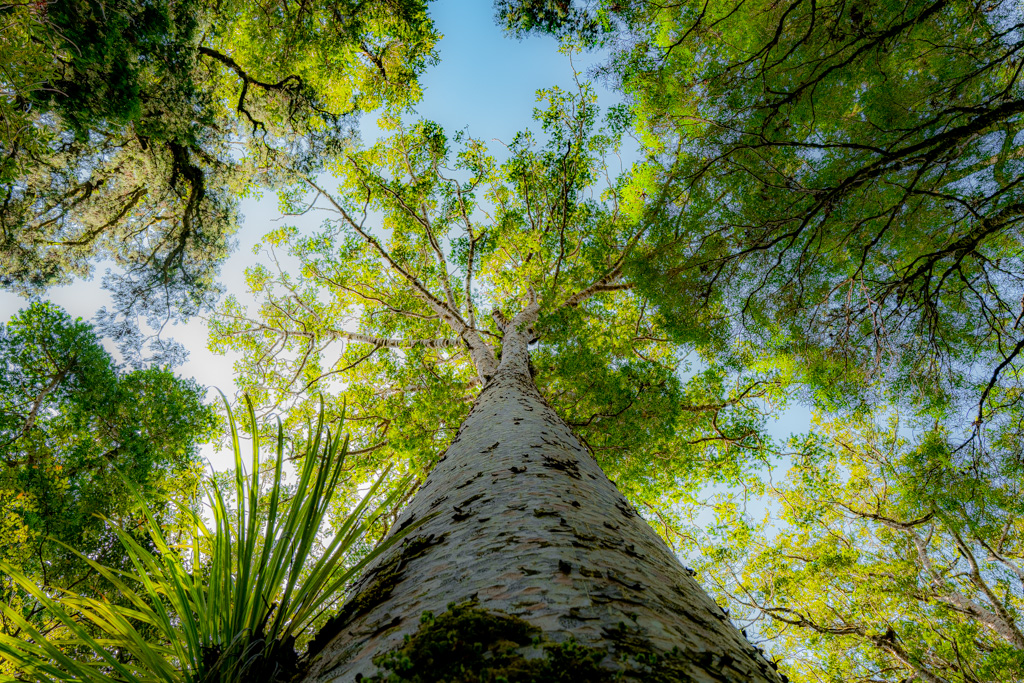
<point x="528" y="525"/>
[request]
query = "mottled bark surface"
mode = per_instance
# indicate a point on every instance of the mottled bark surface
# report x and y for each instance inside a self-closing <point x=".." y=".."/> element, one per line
<point x="527" y="524"/>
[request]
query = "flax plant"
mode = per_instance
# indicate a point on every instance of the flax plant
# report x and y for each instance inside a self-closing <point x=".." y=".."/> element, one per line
<point x="224" y="604"/>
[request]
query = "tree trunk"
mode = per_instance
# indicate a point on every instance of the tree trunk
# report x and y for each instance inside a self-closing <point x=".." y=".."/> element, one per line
<point x="529" y="531"/>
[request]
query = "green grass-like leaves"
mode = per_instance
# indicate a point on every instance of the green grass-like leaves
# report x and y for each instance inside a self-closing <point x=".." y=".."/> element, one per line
<point x="224" y="604"/>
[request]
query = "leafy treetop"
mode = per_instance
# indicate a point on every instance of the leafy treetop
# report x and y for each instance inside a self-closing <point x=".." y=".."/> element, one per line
<point x="131" y="129"/>
<point x="885" y="559"/>
<point x="398" y="305"/>
<point x="845" y="186"/>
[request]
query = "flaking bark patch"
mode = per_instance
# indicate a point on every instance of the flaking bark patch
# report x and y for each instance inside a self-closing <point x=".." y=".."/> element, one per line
<point x="568" y="466"/>
<point x="385" y="577"/>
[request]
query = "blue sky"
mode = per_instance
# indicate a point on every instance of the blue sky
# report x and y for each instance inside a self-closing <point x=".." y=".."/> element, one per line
<point x="487" y="81"/>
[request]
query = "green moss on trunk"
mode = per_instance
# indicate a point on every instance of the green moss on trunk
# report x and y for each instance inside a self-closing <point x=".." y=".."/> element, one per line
<point x="467" y="644"/>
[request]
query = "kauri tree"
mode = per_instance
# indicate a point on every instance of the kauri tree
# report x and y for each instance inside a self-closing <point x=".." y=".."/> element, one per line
<point x="415" y="305"/>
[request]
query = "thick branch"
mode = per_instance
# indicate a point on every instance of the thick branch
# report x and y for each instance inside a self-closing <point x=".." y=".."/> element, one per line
<point x="518" y="334"/>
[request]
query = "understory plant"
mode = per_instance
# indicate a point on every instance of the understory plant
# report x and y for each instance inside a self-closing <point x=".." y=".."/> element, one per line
<point x="227" y="600"/>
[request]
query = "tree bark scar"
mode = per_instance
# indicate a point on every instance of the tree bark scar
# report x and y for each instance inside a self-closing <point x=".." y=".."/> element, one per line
<point x="555" y="545"/>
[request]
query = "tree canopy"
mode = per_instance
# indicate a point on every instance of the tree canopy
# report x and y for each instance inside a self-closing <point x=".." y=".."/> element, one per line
<point x="842" y="189"/>
<point x="845" y="185"/>
<point x="886" y="559"/>
<point x="398" y="305"/>
<point x="75" y="430"/>
<point x="132" y="129"/>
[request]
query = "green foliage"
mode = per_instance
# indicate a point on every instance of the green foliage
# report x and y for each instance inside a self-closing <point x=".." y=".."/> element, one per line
<point x="106" y="72"/>
<point x="883" y="559"/>
<point x="837" y="185"/>
<point x="842" y="184"/>
<point x="132" y="128"/>
<point x="560" y="18"/>
<point x="224" y="602"/>
<point x="70" y="419"/>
